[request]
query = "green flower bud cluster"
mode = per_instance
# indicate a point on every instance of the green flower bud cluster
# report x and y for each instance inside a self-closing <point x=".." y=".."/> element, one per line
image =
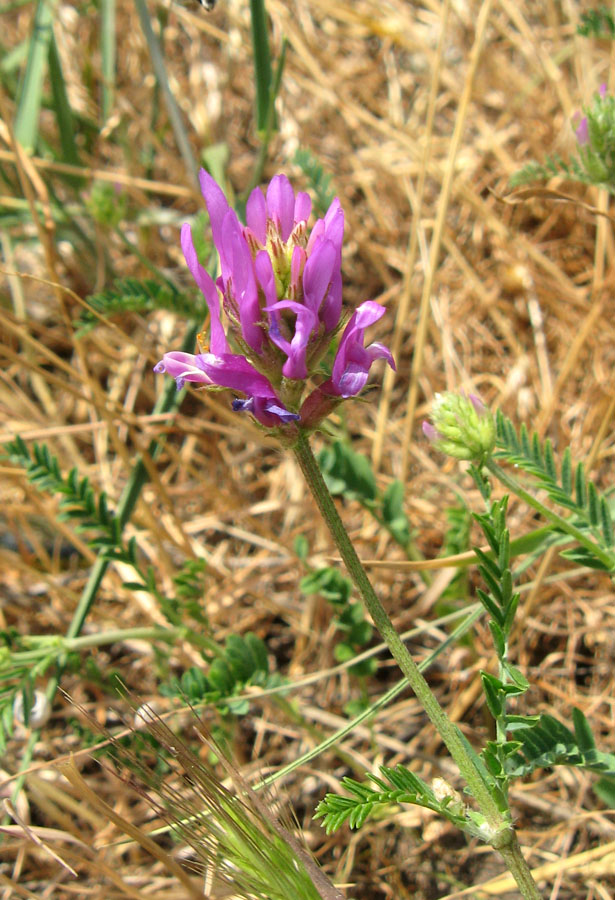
<point x="461" y="426"/>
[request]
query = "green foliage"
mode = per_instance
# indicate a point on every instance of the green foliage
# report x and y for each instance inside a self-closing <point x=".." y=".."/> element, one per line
<point x="597" y="22"/>
<point x="574" y="170"/>
<point x="106" y="204"/>
<point x="350" y="620"/>
<point x="189" y="588"/>
<point x="393" y="516"/>
<point x="546" y="742"/>
<point x="571" y="489"/>
<point x="19" y="672"/>
<point x="80" y="505"/>
<point x="398" y="785"/>
<point x="330" y="584"/>
<point x="500" y="602"/>
<point x="320" y="181"/>
<point x="357" y="634"/>
<point x="242" y="662"/>
<point x="130" y="295"/>
<point x="605" y="789"/>
<point x="456" y="540"/>
<point x="301" y="547"/>
<point x="139" y="743"/>
<point x="349" y="474"/>
<point x="78" y="502"/>
<point x="594" y="162"/>
<point x="25" y="658"/>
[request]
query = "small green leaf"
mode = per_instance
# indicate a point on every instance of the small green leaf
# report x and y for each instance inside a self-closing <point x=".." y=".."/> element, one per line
<point x="582" y="731"/>
<point x="604" y="788"/>
<point x="349" y="473"/>
<point x="492" y="689"/>
<point x="301" y="547"/>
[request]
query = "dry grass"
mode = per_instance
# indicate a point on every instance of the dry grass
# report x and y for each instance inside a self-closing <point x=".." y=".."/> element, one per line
<point x="421" y="112"/>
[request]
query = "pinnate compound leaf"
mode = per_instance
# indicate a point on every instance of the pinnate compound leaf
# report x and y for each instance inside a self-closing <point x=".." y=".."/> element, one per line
<point x="548" y="742"/>
<point x="139" y="295"/>
<point x="395" y="786"/>
<point x="572" y="492"/>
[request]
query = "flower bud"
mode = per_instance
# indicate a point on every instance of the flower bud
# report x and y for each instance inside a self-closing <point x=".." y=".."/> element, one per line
<point x="461" y="426"/>
<point x="39" y="711"/>
<point x="448" y="796"/>
<point x="107" y="204"/>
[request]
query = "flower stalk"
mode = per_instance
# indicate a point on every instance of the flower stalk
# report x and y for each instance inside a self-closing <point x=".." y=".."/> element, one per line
<point x="502" y="836"/>
<point x="448" y="731"/>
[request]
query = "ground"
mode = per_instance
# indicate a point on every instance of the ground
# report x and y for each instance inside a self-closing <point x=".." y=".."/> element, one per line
<point x="420" y="113"/>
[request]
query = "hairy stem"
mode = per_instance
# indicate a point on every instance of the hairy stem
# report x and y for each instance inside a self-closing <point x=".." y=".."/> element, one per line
<point x="503" y="837"/>
<point x="481" y="790"/>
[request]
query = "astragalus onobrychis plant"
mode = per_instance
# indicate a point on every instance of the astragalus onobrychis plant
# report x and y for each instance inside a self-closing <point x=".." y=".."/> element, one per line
<point x="279" y="339"/>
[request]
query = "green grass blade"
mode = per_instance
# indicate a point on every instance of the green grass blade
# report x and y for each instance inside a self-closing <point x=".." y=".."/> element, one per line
<point x="175" y="116"/>
<point x="61" y="105"/>
<point x="108" y="54"/>
<point x="262" y="63"/>
<point x="31" y="93"/>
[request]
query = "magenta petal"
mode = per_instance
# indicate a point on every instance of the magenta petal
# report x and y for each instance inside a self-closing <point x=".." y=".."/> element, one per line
<point x="182" y="367"/>
<point x="266" y="280"/>
<point x="368" y="313"/>
<point x="210" y="292"/>
<point x="477" y="403"/>
<point x="234" y="371"/>
<point x="316" y="234"/>
<point x="331" y="309"/>
<point x="243" y="282"/>
<point x="352" y="362"/>
<point x="268" y="412"/>
<point x="265" y="276"/>
<point x="431" y="433"/>
<point x="331" y="227"/>
<point x="334" y="223"/>
<point x="297" y="265"/>
<point x="305" y="324"/>
<point x="379" y="351"/>
<point x="281" y="204"/>
<point x="582" y="132"/>
<point x="216" y="203"/>
<point x="303" y="207"/>
<point x="358" y="364"/>
<point x="318" y="273"/>
<point x="256" y="215"/>
<point x="352" y="381"/>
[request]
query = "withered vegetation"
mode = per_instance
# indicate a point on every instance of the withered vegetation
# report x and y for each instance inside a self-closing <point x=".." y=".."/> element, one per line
<point x="421" y="112"/>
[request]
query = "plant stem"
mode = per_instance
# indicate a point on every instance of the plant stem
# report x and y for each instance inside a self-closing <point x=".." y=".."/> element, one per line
<point x="519" y="869"/>
<point x="123" y="634"/>
<point x="513" y="485"/>
<point x="503" y="837"/>
<point x="447" y="730"/>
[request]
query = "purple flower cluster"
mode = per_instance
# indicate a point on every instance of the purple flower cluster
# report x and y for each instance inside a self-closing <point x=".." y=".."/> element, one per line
<point x="281" y="294"/>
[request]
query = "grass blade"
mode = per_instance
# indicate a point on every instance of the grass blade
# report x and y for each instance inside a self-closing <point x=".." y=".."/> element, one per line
<point x="30" y="97"/>
<point x="262" y="64"/>
<point x="61" y="105"/>
<point x="108" y="53"/>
